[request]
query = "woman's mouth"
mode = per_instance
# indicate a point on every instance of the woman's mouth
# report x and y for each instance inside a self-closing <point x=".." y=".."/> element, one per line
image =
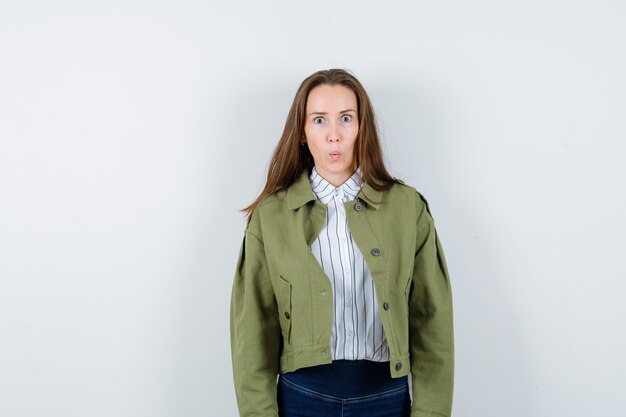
<point x="335" y="155"/>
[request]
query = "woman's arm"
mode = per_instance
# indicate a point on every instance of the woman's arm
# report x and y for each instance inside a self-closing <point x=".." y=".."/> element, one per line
<point x="431" y="333"/>
<point x="254" y="331"/>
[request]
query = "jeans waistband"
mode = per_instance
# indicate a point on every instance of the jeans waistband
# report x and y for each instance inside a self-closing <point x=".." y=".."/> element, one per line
<point x="347" y="378"/>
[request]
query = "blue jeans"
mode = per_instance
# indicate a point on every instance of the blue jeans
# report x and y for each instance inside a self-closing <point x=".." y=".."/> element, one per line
<point x="345" y="388"/>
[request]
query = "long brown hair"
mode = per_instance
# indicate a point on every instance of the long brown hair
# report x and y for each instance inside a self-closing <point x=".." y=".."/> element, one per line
<point x="291" y="155"/>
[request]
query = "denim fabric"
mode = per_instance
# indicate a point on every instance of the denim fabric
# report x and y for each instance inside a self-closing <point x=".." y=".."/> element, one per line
<point x="345" y="388"/>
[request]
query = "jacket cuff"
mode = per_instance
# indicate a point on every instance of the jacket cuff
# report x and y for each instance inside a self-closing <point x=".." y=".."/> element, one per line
<point x="416" y="412"/>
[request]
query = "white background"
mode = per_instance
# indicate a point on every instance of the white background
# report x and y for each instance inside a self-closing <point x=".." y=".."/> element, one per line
<point x="131" y="132"/>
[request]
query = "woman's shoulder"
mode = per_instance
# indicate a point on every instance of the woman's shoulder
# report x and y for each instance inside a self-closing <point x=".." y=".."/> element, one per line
<point x="408" y="191"/>
<point x="271" y="207"/>
<point x="274" y="200"/>
<point x="404" y="188"/>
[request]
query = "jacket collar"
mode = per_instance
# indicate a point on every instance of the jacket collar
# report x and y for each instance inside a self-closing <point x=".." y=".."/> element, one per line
<point x="300" y="192"/>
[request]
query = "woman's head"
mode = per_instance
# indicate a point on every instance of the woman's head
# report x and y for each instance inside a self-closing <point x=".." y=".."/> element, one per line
<point x="320" y="121"/>
<point x="331" y="127"/>
<point x="297" y="118"/>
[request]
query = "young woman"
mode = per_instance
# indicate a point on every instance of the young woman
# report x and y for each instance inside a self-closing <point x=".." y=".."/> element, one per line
<point x="341" y="288"/>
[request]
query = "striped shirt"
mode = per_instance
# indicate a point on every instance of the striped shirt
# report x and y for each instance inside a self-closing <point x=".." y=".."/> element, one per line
<point x="357" y="331"/>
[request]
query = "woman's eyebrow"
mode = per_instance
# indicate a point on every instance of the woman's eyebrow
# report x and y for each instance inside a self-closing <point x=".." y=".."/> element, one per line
<point x="322" y="113"/>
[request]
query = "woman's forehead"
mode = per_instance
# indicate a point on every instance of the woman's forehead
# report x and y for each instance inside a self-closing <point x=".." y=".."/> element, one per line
<point x="331" y="99"/>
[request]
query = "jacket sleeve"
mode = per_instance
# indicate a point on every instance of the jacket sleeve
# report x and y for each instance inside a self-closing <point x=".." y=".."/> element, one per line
<point x="431" y="333"/>
<point x="254" y="331"/>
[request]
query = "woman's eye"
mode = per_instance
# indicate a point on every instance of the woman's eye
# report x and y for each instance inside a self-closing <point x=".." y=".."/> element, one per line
<point x="346" y="118"/>
<point x="318" y="120"/>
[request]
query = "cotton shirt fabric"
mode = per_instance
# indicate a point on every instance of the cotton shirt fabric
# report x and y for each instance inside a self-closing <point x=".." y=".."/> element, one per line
<point x="357" y="331"/>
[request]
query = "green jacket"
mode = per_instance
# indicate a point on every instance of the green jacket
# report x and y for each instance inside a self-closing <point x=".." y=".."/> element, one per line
<point x="281" y="310"/>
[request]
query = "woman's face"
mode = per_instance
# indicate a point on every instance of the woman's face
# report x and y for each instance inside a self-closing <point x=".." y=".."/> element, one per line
<point x="331" y="128"/>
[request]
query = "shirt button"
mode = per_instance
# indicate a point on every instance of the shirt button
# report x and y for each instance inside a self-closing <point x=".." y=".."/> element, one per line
<point x="287" y="315"/>
<point x="349" y="332"/>
<point x="358" y="207"/>
<point x="386" y="305"/>
<point x="375" y="251"/>
<point x="348" y="304"/>
<point x="398" y="366"/>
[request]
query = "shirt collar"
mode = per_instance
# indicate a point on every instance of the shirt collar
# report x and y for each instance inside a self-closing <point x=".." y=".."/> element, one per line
<point x="324" y="190"/>
<point x="301" y="192"/>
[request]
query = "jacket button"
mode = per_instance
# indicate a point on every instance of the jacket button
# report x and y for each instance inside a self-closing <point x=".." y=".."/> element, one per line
<point x="386" y="305"/>
<point x="398" y="366"/>
<point x="287" y="315"/>
<point x="375" y="251"/>
<point x="358" y="207"/>
<point x="323" y="292"/>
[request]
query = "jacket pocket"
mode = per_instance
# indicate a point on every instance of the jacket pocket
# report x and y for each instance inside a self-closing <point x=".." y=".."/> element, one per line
<point x="407" y="288"/>
<point x="283" y="300"/>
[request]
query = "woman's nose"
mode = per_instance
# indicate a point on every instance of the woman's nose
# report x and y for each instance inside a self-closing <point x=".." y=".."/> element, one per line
<point x="333" y="133"/>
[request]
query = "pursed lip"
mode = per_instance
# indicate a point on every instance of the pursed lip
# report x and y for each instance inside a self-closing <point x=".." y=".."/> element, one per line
<point x="335" y="153"/>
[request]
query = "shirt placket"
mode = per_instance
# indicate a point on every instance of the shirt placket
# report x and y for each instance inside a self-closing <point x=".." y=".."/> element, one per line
<point x="348" y="316"/>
